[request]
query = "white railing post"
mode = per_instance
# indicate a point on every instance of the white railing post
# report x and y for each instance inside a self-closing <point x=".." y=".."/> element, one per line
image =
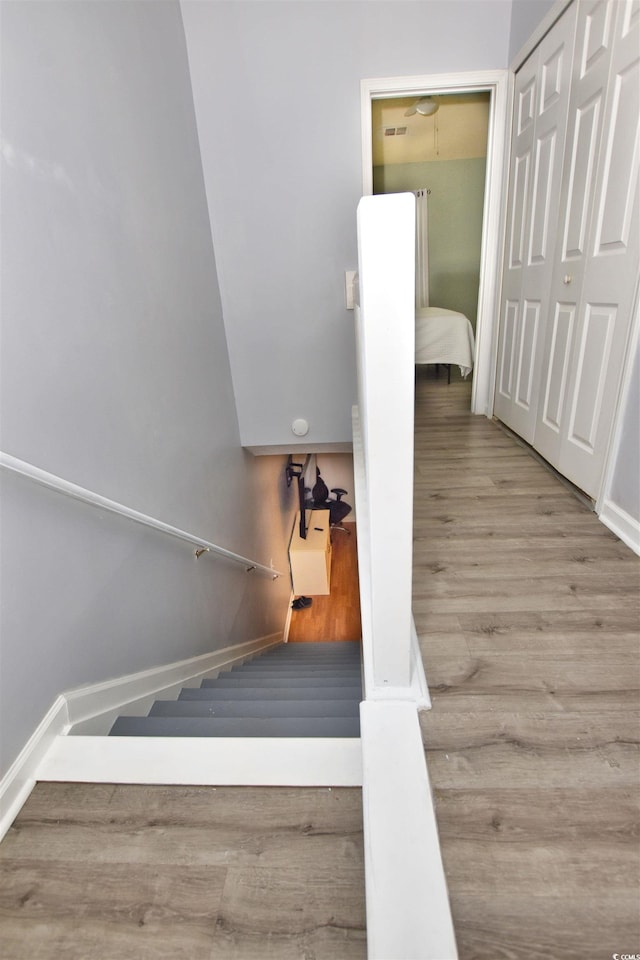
<point x="385" y="330"/>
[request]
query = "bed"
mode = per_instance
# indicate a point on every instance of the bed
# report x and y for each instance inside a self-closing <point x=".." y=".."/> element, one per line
<point x="444" y="336"/>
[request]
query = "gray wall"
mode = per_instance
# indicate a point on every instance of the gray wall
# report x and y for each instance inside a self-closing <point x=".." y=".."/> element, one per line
<point x="115" y="372"/>
<point x="525" y="17"/>
<point x="455" y="224"/>
<point x="277" y="95"/>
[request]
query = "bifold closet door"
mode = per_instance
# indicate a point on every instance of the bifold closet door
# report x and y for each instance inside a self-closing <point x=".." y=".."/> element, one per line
<point x="595" y="276"/>
<point x="539" y="125"/>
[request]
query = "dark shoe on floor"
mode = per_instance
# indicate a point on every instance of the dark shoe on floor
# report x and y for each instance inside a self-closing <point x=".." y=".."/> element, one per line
<point x="301" y="603"/>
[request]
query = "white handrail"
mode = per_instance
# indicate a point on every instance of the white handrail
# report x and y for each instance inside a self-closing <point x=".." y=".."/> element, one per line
<point x="77" y="492"/>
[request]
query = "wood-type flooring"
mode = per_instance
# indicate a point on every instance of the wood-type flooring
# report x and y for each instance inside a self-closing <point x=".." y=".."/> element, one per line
<point x="106" y="872"/>
<point x="527" y="609"/>
<point x="337" y="615"/>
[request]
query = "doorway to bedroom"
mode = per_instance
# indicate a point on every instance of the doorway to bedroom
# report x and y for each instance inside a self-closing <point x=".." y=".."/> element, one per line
<point x="437" y="147"/>
<point x="444" y="136"/>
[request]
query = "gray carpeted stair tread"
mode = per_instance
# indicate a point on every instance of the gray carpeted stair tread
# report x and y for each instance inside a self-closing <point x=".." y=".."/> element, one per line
<point x="319" y="692"/>
<point x="317" y="646"/>
<point x="236" y="727"/>
<point x="278" y="663"/>
<point x="306" y="658"/>
<point x="313" y="649"/>
<point x="285" y="682"/>
<point x="306" y="661"/>
<point x="292" y="676"/>
<point x="255" y="708"/>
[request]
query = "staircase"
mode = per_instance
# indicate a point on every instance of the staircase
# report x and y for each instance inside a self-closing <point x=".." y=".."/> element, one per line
<point x="294" y="690"/>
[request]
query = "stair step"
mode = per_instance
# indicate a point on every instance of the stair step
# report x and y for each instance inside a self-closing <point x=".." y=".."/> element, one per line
<point x="273" y="670"/>
<point x="255" y="708"/>
<point x="236" y="727"/>
<point x="286" y="682"/>
<point x="286" y="662"/>
<point x="318" y="692"/>
<point x="309" y="657"/>
<point x="318" y="646"/>
<point x="292" y="663"/>
<point x="313" y="655"/>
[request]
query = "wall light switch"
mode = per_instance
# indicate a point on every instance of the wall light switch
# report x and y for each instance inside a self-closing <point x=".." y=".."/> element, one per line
<point x="349" y="289"/>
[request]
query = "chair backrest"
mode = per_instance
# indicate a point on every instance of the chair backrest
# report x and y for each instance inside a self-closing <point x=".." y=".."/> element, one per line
<point x="320" y="491"/>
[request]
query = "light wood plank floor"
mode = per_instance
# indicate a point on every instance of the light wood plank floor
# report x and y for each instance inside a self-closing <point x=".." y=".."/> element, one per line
<point x="105" y="872"/>
<point x="336" y="616"/>
<point x="528" y="617"/>
<point x="528" y="614"/>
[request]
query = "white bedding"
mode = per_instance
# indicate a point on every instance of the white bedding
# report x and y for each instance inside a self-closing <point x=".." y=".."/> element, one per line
<point x="444" y="336"/>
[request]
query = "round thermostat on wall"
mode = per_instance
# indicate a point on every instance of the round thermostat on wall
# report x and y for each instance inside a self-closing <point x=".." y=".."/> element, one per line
<point x="300" y="428"/>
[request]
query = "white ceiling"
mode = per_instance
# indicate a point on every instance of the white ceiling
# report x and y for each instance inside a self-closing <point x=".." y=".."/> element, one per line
<point x="457" y="131"/>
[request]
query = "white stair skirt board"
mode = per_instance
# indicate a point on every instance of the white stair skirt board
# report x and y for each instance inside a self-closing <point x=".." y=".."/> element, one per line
<point x="81" y="704"/>
<point x="408" y="913"/>
<point x="205" y="761"/>
<point x="112" y="695"/>
<point x="20" y="778"/>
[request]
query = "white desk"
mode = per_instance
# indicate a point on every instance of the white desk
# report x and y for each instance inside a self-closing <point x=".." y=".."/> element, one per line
<point x="310" y="559"/>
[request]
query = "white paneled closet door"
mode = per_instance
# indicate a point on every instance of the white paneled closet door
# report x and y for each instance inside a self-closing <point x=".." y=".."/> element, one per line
<point x="595" y="275"/>
<point x="567" y="306"/>
<point x="539" y="125"/>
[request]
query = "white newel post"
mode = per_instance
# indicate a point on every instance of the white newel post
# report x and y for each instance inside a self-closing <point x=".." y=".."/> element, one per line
<point x="385" y="319"/>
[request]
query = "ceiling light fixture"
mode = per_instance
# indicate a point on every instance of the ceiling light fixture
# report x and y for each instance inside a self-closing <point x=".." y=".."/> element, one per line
<point x="425" y="106"/>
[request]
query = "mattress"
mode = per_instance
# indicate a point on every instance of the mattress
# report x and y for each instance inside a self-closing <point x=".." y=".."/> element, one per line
<point x="444" y="336"/>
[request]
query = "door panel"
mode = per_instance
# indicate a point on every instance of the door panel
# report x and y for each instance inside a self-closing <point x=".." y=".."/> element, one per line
<point x="585" y="135"/>
<point x="542" y="194"/>
<point x="592" y="361"/>
<point x="507" y="352"/>
<point x="526" y="100"/>
<point x="518" y="223"/>
<point x="525" y="382"/>
<point x="608" y="271"/>
<point x="595" y="37"/>
<point x="558" y="366"/>
<point x="620" y="175"/>
<point x="541" y="104"/>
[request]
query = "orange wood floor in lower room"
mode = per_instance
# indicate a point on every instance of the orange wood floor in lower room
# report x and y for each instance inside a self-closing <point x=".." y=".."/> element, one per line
<point x="337" y="616"/>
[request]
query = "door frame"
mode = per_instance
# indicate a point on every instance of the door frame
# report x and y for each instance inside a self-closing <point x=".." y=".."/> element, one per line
<point x="499" y="84"/>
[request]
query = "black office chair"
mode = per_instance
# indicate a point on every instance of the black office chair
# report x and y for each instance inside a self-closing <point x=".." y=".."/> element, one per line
<point x="320" y="500"/>
<point x="338" y="510"/>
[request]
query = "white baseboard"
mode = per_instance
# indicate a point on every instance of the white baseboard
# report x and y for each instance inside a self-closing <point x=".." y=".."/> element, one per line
<point x="622" y="524"/>
<point x="228" y="761"/>
<point x="418" y="677"/>
<point x="75" y="706"/>
<point x="20" y="778"/>
<point x="98" y="698"/>
<point x="287" y="623"/>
